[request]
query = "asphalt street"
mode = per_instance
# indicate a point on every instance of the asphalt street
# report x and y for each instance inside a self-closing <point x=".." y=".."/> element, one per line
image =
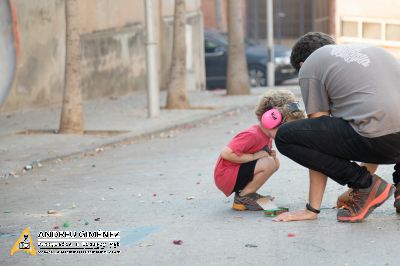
<point x="161" y="189"/>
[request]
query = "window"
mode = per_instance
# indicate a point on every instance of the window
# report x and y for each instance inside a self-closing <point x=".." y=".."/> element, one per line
<point x="392" y="32"/>
<point x="371" y="30"/>
<point x="349" y="29"/>
<point x="209" y="46"/>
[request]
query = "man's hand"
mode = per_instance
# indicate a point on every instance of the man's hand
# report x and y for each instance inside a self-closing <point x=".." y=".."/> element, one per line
<point x="299" y="215"/>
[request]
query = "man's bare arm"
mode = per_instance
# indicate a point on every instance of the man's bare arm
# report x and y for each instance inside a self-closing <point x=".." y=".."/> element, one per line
<point x="317" y="179"/>
<point x="317" y="188"/>
<point x="316" y="192"/>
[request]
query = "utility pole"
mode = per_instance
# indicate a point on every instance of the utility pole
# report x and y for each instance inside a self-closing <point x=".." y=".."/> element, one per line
<point x="151" y="62"/>
<point x="270" y="43"/>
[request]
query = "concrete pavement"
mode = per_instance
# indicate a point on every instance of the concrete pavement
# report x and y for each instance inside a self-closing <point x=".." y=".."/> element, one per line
<point x="161" y="189"/>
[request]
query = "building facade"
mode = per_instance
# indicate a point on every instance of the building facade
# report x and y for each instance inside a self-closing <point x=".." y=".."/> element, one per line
<point x="375" y="22"/>
<point x="112" y="49"/>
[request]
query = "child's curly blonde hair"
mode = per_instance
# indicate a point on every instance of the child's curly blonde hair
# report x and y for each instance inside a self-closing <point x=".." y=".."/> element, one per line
<point x="278" y="99"/>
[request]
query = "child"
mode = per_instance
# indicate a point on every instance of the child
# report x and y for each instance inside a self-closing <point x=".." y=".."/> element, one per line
<point x="247" y="162"/>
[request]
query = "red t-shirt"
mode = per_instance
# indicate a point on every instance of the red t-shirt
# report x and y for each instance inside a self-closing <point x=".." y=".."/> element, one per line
<point x="250" y="140"/>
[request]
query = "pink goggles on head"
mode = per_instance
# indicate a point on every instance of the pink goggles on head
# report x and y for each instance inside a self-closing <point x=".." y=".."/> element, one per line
<point x="273" y="118"/>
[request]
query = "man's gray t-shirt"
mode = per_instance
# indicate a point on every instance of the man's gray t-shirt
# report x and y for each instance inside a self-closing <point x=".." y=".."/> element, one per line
<point x="356" y="82"/>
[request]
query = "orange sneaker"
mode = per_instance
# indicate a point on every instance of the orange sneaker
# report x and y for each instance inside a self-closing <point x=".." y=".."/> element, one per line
<point x="247" y="202"/>
<point x="343" y="198"/>
<point x="363" y="201"/>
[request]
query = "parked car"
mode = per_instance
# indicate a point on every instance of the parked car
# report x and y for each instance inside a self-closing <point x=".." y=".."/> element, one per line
<point x="216" y="60"/>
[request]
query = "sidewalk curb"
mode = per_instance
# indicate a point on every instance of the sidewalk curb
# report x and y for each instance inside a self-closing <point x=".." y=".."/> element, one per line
<point x="129" y="138"/>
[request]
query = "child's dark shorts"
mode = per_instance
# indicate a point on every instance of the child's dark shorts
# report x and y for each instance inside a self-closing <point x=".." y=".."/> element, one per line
<point x="245" y="175"/>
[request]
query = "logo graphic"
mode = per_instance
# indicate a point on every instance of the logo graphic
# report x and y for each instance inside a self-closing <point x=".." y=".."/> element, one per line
<point x="24" y="243"/>
<point x="352" y="53"/>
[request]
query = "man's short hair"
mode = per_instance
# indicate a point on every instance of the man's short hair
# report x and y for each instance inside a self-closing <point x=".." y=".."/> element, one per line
<point x="306" y="45"/>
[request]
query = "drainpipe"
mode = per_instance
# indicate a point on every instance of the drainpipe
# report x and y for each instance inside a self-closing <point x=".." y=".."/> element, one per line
<point x="270" y="34"/>
<point x="151" y="62"/>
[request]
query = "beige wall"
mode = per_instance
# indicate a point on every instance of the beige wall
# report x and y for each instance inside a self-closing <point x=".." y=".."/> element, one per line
<point x="97" y="15"/>
<point x="39" y="75"/>
<point x="112" y="49"/>
<point x="388" y="9"/>
<point x="104" y="14"/>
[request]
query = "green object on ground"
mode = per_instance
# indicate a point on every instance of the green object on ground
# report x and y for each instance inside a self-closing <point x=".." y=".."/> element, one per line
<point x="275" y="212"/>
<point x="86" y="222"/>
<point x="66" y="224"/>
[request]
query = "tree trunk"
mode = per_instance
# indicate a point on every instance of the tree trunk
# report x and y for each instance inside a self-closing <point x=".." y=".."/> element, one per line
<point x="177" y="98"/>
<point x="237" y="78"/>
<point x="71" y="114"/>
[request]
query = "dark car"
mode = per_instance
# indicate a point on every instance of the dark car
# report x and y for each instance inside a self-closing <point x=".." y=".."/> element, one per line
<point x="216" y="60"/>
